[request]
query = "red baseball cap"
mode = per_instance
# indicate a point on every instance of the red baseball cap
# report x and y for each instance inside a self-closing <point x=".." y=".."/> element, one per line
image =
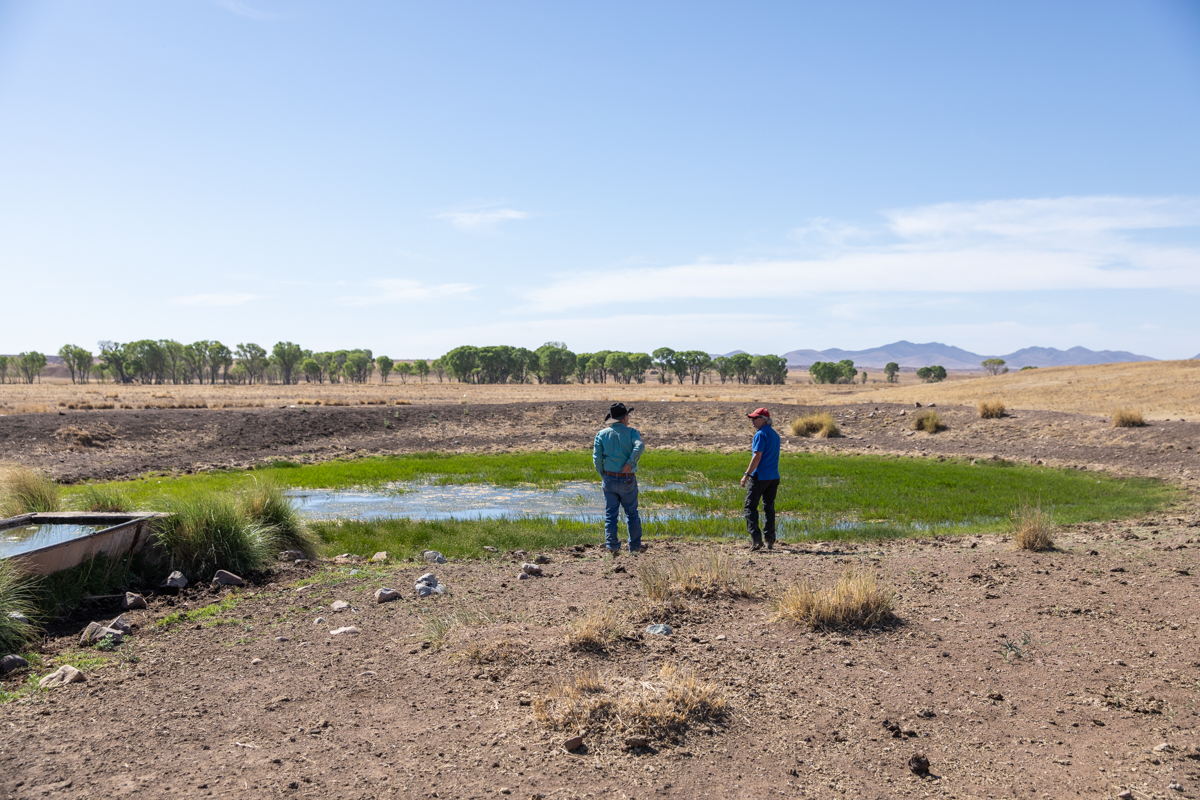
<point x="759" y="412"/>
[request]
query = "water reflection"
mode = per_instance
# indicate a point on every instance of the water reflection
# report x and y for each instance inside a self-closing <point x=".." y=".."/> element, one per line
<point x="32" y="537"/>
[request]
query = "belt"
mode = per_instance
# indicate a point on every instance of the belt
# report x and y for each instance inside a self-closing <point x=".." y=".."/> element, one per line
<point x="618" y="474"/>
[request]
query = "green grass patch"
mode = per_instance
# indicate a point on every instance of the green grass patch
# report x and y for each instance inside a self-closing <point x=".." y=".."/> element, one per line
<point x="208" y="613"/>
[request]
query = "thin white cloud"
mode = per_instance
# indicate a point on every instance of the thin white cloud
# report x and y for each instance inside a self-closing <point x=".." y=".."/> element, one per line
<point x="398" y="291"/>
<point x="476" y="220"/>
<point x="1069" y="243"/>
<point x="243" y="9"/>
<point x="223" y="299"/>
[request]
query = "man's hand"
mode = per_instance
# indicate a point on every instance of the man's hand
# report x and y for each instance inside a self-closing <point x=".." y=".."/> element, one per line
<point x="625" y="470"/>
<point x="742" y="482"/>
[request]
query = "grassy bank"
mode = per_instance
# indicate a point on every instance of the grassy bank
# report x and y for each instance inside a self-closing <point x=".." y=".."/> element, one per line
<point x="833" y="488"/>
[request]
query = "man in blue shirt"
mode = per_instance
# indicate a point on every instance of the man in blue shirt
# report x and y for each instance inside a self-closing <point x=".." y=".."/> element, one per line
<point x="763" y="478"/>
<point x="615" y="455"/>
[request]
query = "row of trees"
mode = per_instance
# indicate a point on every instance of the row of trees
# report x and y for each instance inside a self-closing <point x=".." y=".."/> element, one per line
<point x="23" y="368"/>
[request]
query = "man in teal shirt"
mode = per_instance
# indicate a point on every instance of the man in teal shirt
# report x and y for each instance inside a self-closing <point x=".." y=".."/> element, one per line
<point x="615" y="455"/>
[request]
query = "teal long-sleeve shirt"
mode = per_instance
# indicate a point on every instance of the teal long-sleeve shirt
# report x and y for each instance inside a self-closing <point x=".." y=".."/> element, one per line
<point x="616" y="446"/>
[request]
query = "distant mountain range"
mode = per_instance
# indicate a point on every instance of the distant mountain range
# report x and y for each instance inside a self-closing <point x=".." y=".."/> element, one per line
<point x="907" y="354"/>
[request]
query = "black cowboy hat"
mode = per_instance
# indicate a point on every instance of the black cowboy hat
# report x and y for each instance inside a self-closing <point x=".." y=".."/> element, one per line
<point x="617" y="411"/>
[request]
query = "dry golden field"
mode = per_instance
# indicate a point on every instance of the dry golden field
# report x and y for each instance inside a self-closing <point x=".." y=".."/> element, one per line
<point x="1159" y="389"/>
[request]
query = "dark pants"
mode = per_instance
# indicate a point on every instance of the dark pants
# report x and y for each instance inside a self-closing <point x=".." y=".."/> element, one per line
<point x="764" y="490"/>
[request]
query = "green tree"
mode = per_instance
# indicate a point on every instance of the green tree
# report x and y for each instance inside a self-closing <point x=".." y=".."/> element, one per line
<point x="312" y="370"/>
<point x="30" y="365"/>
<point x="78" y="361"/>
<point x="555" y="363"/>
<point x="288" y="357"/>
<point x="695" y="363"/>
<point x="769" y="369"/>
<point x="619" y="367"/>
<point x="112" y="357"/>
<point x="742" y="365"/>
<point x="639" y="363"/>
<point x="892" y="372"/>
<point x="438" y="367"/>
<point x="359" y="366"/>
<point x="3" y="369"/>
<point x="724" y="368"/>
<point x="461" y="362"/>
<point x="994" y="366"/>
<point x="864" y="377"/>
<point x="220" y="358"/>
<point x="583" y="367"/>
<point x="664" y="358"/>
<point x="421" y="367"/>
<point x="932" y="374"/>
<point x="385" y="365"/>
<point x="405" y="369"/>
<point x="254" y="358"/>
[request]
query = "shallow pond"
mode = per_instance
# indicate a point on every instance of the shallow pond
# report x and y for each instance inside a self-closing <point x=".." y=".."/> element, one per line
<point x="32" y="537"/>
<point x="444" y="501"/>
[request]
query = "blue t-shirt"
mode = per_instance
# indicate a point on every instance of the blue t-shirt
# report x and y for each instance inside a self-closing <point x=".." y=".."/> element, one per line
<point x="766" y="441"/>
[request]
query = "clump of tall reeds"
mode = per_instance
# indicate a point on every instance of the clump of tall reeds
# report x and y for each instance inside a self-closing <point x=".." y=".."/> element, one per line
<point x="928" y="421"/>
<point x="1128" y="418"/>
<point x="206" y="531"/>
<point x="991" y="409"/>
<point x="856" y="600"/>
<point x="1034" y="528"/>
<point x="26" y="491"/>
<point x="104" y="499"/>
<point x="267" y="505"/>
<point x="821" y="425"/>
<point x="16" y="595"/>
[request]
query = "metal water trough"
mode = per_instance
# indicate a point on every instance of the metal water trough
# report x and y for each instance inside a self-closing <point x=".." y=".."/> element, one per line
<point x="125" y="534"/>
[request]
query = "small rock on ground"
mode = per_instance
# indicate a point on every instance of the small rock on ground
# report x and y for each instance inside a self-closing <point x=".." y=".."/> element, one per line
<point x="378" y="557"/>
<point x="19" y="617"/>
<point x="573" y="743"/>
<point x="319" y="621"/>
<point x="347" y="629"/>
<point x="290" y="555"/>
<point x="338" y="605"/>
<point x="225" y="578"/>
<point x="62" y="676"/>
<point x="434" y="557"/>
<point x="385" y="594"/>
<point x="133" y="600"/>
<point x="174" y="583"/>
<point x="531" y="569"/>
<point x="120" y="624"/>
<point x="13" y="662"/>
<point x="661" y="629"/>
<point x="95" y="632"/>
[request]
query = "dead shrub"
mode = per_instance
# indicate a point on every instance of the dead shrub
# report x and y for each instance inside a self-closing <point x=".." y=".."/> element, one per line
<point x="856" y="600"/>
<point x="596" y="628"/>
<point x="659" y="708"/>
<point x="822" y="426"/>
<point x="928" y="421"/>
<point x="1128" y="418"/>
<point x="991" y="409"/>
<point x="1034" y="528"/>
<point x="697" y="575"/>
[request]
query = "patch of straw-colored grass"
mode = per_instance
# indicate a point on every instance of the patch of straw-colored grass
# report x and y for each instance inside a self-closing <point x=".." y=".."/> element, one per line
<point x="820" y="425"/>
<point x="1128" y="418"/>
<point x="16" y="594"/>
<point x="596" y="628"/>
<point x="103" y="499"/>
<point x="991" y="409"/>
<point x="436" y="628"/>
<point x="928" y="421"/>
<point x="26" y="491"/>
<point x="856" y="600"/>
<point x="700" y="575"/>
<point x="660" y="707"/>
<point x="1034" y="528"/>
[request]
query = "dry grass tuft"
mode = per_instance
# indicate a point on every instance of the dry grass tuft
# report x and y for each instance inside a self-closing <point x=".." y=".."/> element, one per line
<point x="991" y="409"/>
<point x="26" y="491"/>
<point x="436" y="628"/>
<point x="596" y="628"/>
<point x="697" y="575"/>
<point x="1128" y="418"/>
<point x="658" y="708"/>
<point x="928" y="421"/>
<point x="32" y="408"/>
<point x="856" y="600"/>
<point x="820" y="425"/>
<point x="1034" y="527"/>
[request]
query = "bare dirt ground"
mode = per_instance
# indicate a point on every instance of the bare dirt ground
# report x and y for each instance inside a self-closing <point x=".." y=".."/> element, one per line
<point x="124" y="443"/>
<point x="1064" y="674"/>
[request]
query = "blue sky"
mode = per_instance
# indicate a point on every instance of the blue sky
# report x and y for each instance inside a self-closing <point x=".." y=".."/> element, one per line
<point x="410" y="177"/>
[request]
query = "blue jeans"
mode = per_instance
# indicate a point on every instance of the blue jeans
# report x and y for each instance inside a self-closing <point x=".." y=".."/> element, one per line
<point x="621" y="493"/>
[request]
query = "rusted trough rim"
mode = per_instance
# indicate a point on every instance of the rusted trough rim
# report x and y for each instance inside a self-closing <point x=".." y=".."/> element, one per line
<point x="122" y="521"/>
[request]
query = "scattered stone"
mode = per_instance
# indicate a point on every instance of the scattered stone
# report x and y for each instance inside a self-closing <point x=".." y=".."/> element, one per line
<point x="531" y="569"/>
<point x="1125" y="795"/>
<point x="490" y="549"/>
<point x="919" y="764"/>
<point x="619" y="568"/>
<point x="291" y="555"/>
<point x="521" y="576"/>
<point x="384" y="594"/>
<point x="225" y="578"/>
<point x="319" y="621"/>
<point x="282" y="639"/>
<point x="933" y="405"/>
<point x="433" y="557"/>
<point x="13" y="662"/>
<point x="541" y="558"/>
<point x="174" y="583"/>
<point x="1176" y="786"/>
<point x="720" y="637"/>
<point x="1163" y="748"/>
<point x="428" y="584"/>
<point x="347" y="629"/>
<point x="661" y="629"/>
<point x="904" y="413"/>
<point x="368" y="674"/>
<point x="637" y="741"/>
<point x="19" y="617"/>
<point x="255" y="662"/>
<point x="379" y="557"/>
<point x="926" y="713"/>
<point x="121" y="625"/>
<point x="574" y="743"/>
<point x="995" y="696"/>
<point x="338" y="605"/>
<point x="518" y="554"/>
<point x="133" y="601"/>
<point x="95" y="632"/>
<point x="62" y="676"/>
<point x="354" y="572"/>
